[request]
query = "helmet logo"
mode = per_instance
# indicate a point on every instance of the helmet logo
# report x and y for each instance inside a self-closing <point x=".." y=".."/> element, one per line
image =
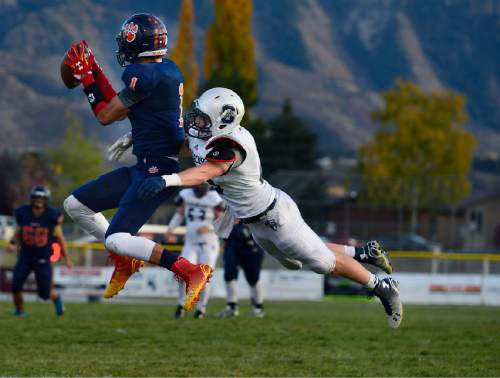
<point x="130" y="31"/>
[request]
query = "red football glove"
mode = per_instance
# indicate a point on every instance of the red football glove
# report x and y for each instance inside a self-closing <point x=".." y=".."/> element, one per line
<point x="81" y="61"/>
<point x="100" y="78"/>
<point x="96" y="67"/>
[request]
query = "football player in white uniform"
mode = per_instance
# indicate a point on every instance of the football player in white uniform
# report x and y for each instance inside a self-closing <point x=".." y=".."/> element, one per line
<point x="198" y="207"/>
<point x="226" y="156"/>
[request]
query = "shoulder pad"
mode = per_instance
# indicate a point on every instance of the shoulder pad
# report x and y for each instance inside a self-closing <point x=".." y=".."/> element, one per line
<point x="138" y="78"/>
<point x="223" y="141"/>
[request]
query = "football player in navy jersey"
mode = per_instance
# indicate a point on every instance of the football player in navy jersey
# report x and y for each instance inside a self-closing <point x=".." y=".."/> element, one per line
<point x="38" y="226"/>
<point x="152" y="100"/>
<point x="241" y="250"/>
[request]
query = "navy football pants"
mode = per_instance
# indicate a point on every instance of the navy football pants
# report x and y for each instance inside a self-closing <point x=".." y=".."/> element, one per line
<point x="118" y="189"/>
<point x="43" y="275"/>
<point x="250" y="260"/>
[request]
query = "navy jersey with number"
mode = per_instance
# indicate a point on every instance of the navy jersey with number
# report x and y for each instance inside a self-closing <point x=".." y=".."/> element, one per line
<point x="37" y="232"/>
<point x="157" y="118"/>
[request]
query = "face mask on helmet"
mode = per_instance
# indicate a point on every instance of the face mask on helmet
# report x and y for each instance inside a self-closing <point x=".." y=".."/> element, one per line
<point x="142" y="35"/>
<point x="198" y="124"/>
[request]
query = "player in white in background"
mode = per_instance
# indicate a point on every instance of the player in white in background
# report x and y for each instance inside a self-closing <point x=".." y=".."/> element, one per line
<point x="225" y="153"/>
<point x="199" y="207"/>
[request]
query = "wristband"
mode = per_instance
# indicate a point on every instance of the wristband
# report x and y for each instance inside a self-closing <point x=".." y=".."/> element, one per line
<point x="94" y="95"/>
<point x="172" y="180"/>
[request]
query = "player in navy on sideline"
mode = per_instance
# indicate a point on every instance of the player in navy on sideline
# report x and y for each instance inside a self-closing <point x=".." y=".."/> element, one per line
<point x="38" y="226"/>
<point x="241" y="250"/>
<point x="152" y="100"/>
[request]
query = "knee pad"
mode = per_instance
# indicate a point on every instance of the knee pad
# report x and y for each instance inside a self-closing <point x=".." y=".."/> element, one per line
<point x="126" y="244"/>
<point x="92" y="222"/>
<point x="73" y="207"/>
<point x="322" y="266"/>
<point x="117" y="242"/>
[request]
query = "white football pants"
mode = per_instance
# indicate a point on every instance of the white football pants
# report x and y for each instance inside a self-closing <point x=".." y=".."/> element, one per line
<point x="286" y="236"/>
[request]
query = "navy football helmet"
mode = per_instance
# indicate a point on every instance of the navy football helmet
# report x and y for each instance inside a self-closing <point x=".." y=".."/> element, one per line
<point x="40" y="191"/>
<point x="142" y="35"/>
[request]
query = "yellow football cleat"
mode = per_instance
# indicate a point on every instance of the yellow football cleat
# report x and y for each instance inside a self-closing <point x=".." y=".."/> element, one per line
<point x="196" y="282"/>
<point x="124" y="267"/>
<point x="196" y="276"/>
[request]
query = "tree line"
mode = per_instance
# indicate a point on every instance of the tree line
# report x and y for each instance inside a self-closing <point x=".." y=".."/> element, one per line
<point x="420" y="155"/>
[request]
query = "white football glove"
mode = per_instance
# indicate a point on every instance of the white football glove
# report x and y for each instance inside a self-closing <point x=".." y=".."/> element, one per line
<point x="118" y="148"/>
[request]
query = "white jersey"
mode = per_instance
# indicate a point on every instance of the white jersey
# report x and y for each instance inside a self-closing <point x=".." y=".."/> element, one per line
<point x="199" y="212"/>
<point x="281" y="231"/>
<point x="243" y="189"/>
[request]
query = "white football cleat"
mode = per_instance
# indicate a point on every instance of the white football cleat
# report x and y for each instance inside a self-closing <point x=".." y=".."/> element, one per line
<point x="387" y="290"/>
<point x="258" y="312"/>
<point x="229" y="312"/>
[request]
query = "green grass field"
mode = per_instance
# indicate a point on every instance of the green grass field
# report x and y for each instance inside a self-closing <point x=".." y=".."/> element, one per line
<point x="348" y="338"/>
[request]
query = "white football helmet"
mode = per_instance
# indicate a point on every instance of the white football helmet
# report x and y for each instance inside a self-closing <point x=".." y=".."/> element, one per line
<point x="217" y="111"/>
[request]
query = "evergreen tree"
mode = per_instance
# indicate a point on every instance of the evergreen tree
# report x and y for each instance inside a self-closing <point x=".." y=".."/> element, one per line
<point x="286" y="143"/>
<point x="422" y="155"/>
<point x="183" y="52"/>
<point x="229" y="59"/>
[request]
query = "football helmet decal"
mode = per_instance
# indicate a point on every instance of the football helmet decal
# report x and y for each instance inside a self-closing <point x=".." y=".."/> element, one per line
<point x="217" y="111"/>
<point x="141" y="35"/>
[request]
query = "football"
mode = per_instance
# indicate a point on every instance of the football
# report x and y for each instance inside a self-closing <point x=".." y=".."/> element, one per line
<point x="67" y="76"/>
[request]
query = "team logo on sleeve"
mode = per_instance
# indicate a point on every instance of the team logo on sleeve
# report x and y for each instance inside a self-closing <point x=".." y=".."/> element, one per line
<point x="130" y="31"/>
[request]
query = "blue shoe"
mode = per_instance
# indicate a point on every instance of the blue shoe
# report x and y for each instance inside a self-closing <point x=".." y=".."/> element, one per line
<point x="59" y="306"/>
<point x="20" y="313"/>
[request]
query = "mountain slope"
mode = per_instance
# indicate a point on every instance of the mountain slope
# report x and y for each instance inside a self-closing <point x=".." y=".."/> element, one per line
<point x="330" y="57"/>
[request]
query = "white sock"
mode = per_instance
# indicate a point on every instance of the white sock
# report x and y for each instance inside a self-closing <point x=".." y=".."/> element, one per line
<point x="182" y="292"/>
<point x="202" y="303"/>
<point x="372" y="281"/>
<point x="133" y="246"/>
<point x="232" y="291"/>
<point x="90" y="221"/>
<point x="256" y="293"/>
<point x="349" y="251"/>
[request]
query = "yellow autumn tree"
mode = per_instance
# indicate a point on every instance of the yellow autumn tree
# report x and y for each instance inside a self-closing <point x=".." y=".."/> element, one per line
<point x="183" y="52"/>
<point x="229" y="59"/>
<point x="421" y="155"/>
